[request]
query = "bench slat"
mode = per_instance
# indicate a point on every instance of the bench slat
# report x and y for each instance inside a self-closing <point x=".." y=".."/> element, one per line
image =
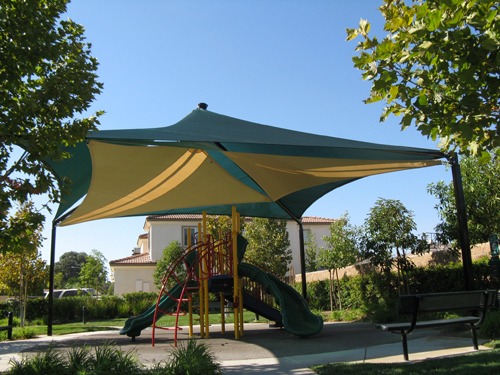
<point x="478" y="301"/>
<point x="428" y="323"/>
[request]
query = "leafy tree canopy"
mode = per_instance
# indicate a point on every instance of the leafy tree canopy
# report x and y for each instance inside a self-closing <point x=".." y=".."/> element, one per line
<point x="437" y="68"/>
<point x="268" y="245"/>
<point x="341" y="252"/>
<point x="68" y="267"/>
<point x="47" y="79"/>
<point x="94" y="273"/>
<point x="389" y="231"/>
<point x="481" y="185"/>
<point x="342" y="244"/>
<point x="22" y="270"/>
<point x="311" y="251"/>
<point x="171" y="253"/>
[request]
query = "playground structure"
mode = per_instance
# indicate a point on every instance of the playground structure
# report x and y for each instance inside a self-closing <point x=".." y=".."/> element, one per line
<point x="215" y="266"/>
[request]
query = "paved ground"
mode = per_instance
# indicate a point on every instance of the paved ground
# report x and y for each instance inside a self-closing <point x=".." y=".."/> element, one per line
<point x="269" y="350"/>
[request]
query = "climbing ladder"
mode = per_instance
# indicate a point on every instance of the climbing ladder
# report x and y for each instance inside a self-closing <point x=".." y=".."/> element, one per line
<point x="189" y="275"/>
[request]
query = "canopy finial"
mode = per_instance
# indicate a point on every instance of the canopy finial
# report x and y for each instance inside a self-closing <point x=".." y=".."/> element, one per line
<point x="203" y="106"/>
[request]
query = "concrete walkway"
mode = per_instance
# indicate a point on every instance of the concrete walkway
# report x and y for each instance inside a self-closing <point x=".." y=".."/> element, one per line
<point x="264" y="349"/>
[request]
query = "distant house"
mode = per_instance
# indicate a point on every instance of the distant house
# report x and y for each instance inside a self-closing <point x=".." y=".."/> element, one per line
<point x="135" y="273"/>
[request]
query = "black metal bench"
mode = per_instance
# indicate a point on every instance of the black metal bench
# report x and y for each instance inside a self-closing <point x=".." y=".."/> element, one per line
<point x="9" y="326"/>
<point x="475" y="303"/>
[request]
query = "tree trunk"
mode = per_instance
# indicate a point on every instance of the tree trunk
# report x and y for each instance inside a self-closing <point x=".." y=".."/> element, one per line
<point x="22" y="296"/>
<point x="339" y="299"/>
<point x="332" y="296"/>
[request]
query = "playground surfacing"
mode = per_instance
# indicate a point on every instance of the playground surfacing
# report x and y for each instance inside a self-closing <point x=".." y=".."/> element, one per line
<point x="271" y="350"/>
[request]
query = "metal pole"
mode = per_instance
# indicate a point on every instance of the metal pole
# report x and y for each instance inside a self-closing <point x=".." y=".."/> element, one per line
<point x="301" y="248"/>
<point x="51" y="279"/>
<point x="302" y="260"/>
<point x="463" y="228"/>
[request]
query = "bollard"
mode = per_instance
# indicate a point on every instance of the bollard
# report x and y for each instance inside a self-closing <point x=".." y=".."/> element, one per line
<point x="83" y="314"/>
<point x="10" y="324"/>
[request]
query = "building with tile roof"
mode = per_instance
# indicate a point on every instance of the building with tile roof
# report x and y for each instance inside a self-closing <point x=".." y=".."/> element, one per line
<point x="134" y="273"/>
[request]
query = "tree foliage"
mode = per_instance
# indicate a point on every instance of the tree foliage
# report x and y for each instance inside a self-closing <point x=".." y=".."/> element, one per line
<point x="22" y="271"/>
<point x="437" y="67"/>
<point x="171" y="253"/>
<point x="311" y="251"/>
<point x="268" y="245"/>
<point x="94" y="273"/>
<point x="389" y="237"/>
<point x="28" y="266"/>
<point x="341" y="252"/>
<point x="481" y="185"/>
<point x="68" y="268"/>
<point x="47" y="78"/>
<point x="218" y="226"/>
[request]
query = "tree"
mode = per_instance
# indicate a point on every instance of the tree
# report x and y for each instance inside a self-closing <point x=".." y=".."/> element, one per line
<point x="389" y="235"/>
<point x="218" y="226"/>
<point x="311" y="250"/>
<point x="23" y="272"/>
<point x="438" y="69"/>
<point x="341" y="252"/>
<point x="170" y="254"/>
<point x="68" y="268"/>
<point x="481" y="185"/>
<point x="269" y="245"/>
<point x="47" y="78"/>
<point x="94" y="273"/>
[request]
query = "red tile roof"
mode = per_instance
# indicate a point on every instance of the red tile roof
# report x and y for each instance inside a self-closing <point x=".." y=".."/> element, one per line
<point x="317" y="220"/>
<point x="176" y="217"/>
<point x="197" y="217"/>
<point x="137" y="259"/>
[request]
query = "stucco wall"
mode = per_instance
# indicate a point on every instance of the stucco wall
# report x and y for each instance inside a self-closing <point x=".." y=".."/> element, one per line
<point x="162" y="233"/>
<point x="319" y="230"/>
<point x="131" y="278"/>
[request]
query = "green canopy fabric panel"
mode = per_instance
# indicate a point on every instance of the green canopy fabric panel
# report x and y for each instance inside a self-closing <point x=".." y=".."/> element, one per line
<point x="211" y="162"/>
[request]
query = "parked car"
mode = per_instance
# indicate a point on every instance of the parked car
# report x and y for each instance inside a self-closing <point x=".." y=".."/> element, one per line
<point x="75" y="292"/>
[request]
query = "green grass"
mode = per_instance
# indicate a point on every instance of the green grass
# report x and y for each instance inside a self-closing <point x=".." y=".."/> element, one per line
<point x="484" y="362"/>
<point x="31" y="331"/>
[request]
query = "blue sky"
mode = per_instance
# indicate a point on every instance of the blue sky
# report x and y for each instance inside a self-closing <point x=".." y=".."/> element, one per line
<point x="284" y="63"/>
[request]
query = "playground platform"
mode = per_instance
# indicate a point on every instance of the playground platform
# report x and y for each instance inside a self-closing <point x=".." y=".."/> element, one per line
<point x="269" y="350"/>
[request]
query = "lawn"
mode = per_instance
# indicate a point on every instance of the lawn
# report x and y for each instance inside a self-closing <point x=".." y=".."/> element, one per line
<point x="484" y="362"/>
<point x="31" y="331"/>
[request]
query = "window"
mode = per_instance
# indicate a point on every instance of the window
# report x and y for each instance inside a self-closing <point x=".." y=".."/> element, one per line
<point x="194" y="235"/>
<point x="138" y="285"/>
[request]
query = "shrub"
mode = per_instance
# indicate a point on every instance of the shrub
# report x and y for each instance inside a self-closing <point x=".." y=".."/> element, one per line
<point x="108" y="307"/>
<point x="111" y="359"/>
<point x="107" y="359"/>
<point x="36" y="308"/>
<point x="193" y="358"/>
<point x="491" y="326"/>
<point x="48" y="362"/>
<point x="317" y="293"/>
<point x="69" y="309"/>
<point x="21" y="333"/>
<point x="138" y="302"/>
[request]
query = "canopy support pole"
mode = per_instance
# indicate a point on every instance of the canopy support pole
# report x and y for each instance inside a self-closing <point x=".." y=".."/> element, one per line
<point x="463" y="228"/>
<point x="302" y="253"/>
<point x="50" y="318"/>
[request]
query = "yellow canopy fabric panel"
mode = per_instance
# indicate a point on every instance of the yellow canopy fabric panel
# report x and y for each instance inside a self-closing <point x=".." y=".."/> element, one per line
<point x="130" y="180"/>
<point x="282" y="175"/>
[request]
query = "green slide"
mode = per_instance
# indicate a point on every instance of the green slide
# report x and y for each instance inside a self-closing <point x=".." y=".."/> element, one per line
<point x="133" y="326"/>
<point x="297" y="317"/>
